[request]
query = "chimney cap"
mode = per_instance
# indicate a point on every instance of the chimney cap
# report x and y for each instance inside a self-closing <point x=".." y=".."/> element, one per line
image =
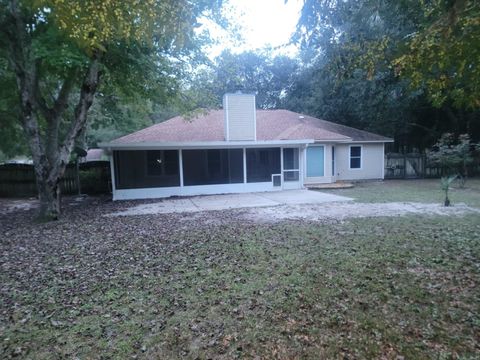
<point x="240" y="92"/>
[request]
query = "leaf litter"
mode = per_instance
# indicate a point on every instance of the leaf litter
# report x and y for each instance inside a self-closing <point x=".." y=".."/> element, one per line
<point x="220" y="284"/>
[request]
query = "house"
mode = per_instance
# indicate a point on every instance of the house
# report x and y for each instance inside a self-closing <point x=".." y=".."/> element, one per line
<point x="240" y="149"/>
<point x="94" y="155"/>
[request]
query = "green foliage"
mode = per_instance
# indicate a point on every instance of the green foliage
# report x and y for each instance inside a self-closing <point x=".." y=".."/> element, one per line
<point x="93" y="181"/>
<point x="434" y="44"/>
<point x="442" y="55"/>
<point x="145" y="49"/>
<point x="270" y="77"/>
<point x="12" y="140"/>
<point x="366" y="66"/>
<point x="452" y="154"/>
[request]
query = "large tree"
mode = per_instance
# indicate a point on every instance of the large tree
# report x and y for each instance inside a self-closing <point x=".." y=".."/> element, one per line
<point x="407" y="68"/>
<point x="433" y="44"/>
<point x="61" y="54"/>
<point x="269" y="76"/>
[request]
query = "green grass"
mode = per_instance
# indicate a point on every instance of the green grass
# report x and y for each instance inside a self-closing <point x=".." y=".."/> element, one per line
<point x="173" y="287"/>
<point x="428" y="190"/>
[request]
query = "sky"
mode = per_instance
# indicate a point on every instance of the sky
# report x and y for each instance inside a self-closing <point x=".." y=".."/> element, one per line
<point x="261" y="23"/>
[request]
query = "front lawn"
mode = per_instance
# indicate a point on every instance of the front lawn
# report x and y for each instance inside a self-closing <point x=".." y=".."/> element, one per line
<point x="211" y="285"/>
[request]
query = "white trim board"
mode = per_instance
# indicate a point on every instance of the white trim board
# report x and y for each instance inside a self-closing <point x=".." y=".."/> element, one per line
<point x="163" y="192"/>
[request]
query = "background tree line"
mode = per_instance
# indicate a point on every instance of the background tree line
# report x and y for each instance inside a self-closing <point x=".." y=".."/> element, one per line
<point x="407" y="69"/>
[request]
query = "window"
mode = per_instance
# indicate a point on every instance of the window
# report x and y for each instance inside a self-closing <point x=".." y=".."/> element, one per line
<point x="262" y="163"/>
<point x="355" y="157"/>
<point x="212" y="166"/>
<point x="290" y="164"/>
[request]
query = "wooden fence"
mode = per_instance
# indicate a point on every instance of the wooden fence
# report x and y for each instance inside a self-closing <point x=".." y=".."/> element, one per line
<point x="18" y="180"/>
<point x="414" y="166"/>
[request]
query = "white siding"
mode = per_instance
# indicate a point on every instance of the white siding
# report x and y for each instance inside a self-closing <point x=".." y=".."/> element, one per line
<point x="240" y="119"/>
<point x="372" y="162"/>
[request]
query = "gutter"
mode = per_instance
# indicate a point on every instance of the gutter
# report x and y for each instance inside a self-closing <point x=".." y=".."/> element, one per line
<point x="201" y="144"/>
<point x="372" y="141"/>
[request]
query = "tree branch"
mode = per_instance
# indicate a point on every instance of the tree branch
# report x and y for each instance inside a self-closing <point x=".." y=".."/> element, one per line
<point x="61" y="103"/>
<point x="87" y="94"/>
<point x="54" y="114"/>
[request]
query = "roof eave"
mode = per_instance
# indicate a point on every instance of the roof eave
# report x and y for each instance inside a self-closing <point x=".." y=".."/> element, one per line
<point x="200" y="144"/>
<point x="335" y="141"/>
<point x="373" y="141"/>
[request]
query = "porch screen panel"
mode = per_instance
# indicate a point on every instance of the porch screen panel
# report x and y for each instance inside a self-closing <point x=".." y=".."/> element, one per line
<point x="136" y="169"/>
<point x="212" y="166"/>
<point x="262" y="163"/>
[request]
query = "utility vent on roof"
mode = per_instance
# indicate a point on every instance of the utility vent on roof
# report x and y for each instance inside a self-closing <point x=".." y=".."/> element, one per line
<point x="240" y="117"/>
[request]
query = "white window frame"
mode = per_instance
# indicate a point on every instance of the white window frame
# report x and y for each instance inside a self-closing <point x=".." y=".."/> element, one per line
<point x="355" y="157"/>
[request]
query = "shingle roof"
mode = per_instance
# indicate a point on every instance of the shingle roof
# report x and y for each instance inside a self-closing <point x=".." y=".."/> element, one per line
<point x="271" y="125"/>
<point x="95" y="155"/>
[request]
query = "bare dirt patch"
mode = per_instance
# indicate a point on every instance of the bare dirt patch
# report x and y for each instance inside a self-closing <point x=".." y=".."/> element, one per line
<point x="346" y="210"/>
<point x="325" y="212"/>
<point x="12" y="205"/>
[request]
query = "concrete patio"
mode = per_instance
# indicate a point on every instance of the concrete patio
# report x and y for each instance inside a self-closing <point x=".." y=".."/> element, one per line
<point x="232" y="201"/>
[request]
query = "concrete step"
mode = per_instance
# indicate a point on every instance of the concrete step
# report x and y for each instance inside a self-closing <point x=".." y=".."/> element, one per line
<point x="335" y="185"/>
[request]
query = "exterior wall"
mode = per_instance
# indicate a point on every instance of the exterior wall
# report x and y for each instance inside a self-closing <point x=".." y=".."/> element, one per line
<point x="372" y="161"/>
<point x="240" y="117"/>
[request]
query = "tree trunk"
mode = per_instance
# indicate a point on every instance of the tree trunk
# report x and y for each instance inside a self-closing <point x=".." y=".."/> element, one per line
<point x="48" y="182"/>
<point x="49" y="196"/>
<point x="50" y="153"/>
